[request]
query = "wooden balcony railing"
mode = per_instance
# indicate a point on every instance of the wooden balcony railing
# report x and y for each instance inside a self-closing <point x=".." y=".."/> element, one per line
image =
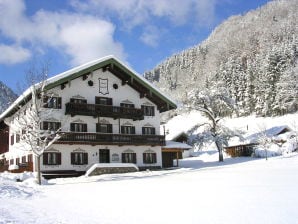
<point x="96" y="110"/>
<point x="110" y="139"/>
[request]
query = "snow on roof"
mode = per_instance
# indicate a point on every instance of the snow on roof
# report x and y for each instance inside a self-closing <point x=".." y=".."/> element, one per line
<point x="176" y="145"/>
<point x="271" y="132"/>
<point x="77" y="69"/>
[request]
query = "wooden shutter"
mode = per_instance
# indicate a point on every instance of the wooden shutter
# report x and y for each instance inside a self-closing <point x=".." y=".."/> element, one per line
<point x="45" y="158"/>
<point x="123" y="158"/>
<point x="59" y="102"/>
<point x="58" y="125"/>
<point x="97" y="127"/>
<point x="45" y="101"/>
<point x="45" y="125"/>
<point x="110" y="128"/>
<point x="85" y="158"/>
<point x="154" y="157"/>
<point x="72" y="127"/>
<point x="122" y="129"/>
<point x="58" y="158"/>
<point x="134" y="158"/>
<point x="72" y="158"/>
<point x="84" y="127"/>
<point x="109" y="101"/>
<point x="153" y="131"/>
<point x="72" y="100"/>
<point x="153" y="111"/>
<point x="84" y="101"/>
<point x="133" y="130"/>
<point x="143" y="130"/>
<point x="144" y="158"/>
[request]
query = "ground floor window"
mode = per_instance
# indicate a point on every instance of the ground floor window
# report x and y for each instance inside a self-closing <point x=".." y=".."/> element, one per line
<point x="149" y="158"/>
<point x="79" y="158"/>
<point x="52" y="158"/>
<point x="129" y="158"/>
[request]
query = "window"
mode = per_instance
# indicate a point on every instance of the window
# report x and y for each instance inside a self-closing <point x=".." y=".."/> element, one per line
<point x="148" y="110"/>
<point x="11" y="162"/>
<point x="12" y="140"/>
<point x="52" y="102"/>
<point x="103" y="100"/>
<point x="52" y="158"/>
<point x="149" y="157"/>
<point x="127" y="105"/>
<point x="17" y="161"/>
<point x="148" y="130"/>
<point x="23" y="159"/>
<point x="78" y="127"/>
<point x="129" y="157"/>
<point x="79" y="158"/>
<point x="104" y="128"/>
<point x="30" y="158"/>
<point x="103" y="86"/>
<point x="49" y="125"/>
<point x="128" y="130"/>
<point x="79" y="101"/>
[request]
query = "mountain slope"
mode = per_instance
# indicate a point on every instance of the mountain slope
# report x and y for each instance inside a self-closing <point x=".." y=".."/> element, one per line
<point x="254" y="56"/>
<point x="7" y="96"/>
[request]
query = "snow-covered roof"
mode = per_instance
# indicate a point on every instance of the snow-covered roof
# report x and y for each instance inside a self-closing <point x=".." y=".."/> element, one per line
<point x="176" y="145"/>
<point x="89" y="67"/>
<point x="271" y="132"/>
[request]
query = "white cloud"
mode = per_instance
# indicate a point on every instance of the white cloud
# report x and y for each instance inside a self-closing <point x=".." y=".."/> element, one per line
<point x="13" y="54"/>
<point x="80" y="36"/>
<point x="151" y="36"/>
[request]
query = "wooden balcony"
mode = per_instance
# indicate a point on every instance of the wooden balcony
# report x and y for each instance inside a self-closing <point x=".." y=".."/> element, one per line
<point x="110" y="139"/>
<point x="97" y="110"/>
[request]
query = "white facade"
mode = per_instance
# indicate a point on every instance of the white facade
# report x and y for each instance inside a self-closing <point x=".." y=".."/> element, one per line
<point x="98" y="83"/>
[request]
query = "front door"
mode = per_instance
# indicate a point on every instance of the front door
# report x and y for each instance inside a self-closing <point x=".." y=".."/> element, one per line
<point x="104" y="156"/>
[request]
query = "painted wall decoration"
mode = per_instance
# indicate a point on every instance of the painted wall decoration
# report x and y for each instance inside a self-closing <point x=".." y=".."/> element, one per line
<point x="103" y="86"/>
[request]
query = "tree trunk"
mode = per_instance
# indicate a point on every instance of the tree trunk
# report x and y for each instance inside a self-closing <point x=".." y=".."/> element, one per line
<point x="219" y="148"/>
<point x="38" y="170"/>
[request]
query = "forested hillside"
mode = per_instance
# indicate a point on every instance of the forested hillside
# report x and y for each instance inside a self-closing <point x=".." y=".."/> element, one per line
<point x="254" y="56"/>
<point x="7" y="96"/>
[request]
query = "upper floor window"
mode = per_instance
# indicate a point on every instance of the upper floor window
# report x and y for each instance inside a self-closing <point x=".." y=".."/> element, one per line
<point x="78" y="127"/>
<point x="128" y="130"/>
<point x="148" y="130"/>
<point x="49" y="125"/>
<point x="148" y="110"/>
<point x="103" y="100"/>
<point x="18" y="137"/>
<point x="127" y="105"/>
<point x="52" y="102"/>
<point x="12" y="139"/>
<point x="51" y="158"/>
<point x="104" y="128"/>
<point x="79" y="158"/>
<point x="79" y="101"/>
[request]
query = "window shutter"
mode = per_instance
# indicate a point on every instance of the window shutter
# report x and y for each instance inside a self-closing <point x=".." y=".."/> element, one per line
<point x="143" y="130"/>
<point x="134" y="158"/>
<point x="85" y="158"/>
<point x="84" y="101"/>
<point x="45" y="158"/>
<point x="110" y="128"/>
<point x="153" y="111"/>
<point x="154" y="157"/>
<point x="45" y="101"/>
<point x="153" y="131"/>
<point x="58" y="125"/>
<point x="122" y="129"/>
<point x="72" y="100"/>
<point x="84" y="127"/>
<point x="123" y="158"/>
<point x="144" y="158"/>
<point x="45" y="125"/>
<point x="59" y="102"/>
<point x="72" y="158"/>
<point x="58" y="158"/>
<point x="110" y="101"/>
<point x="133" y="130"/>
<point x="72" y="127"/>
<point x="97" y="127"/>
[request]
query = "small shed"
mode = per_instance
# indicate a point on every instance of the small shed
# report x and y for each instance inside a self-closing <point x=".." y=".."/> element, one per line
<point x="173" y="151"/>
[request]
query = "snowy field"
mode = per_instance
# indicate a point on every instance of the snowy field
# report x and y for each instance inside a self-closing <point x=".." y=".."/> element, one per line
<point x="241" y="190"/>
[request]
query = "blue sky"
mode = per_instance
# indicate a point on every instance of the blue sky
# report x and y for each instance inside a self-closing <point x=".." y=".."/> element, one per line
<point x="68" y="33"/>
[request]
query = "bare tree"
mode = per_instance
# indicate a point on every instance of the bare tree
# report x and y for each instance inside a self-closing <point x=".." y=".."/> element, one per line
<point x="214" y="105"/>
<point x="30" y="115"/>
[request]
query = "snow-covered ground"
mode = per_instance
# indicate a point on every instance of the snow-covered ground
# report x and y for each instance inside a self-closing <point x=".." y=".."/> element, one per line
<point x="239" y="190"/>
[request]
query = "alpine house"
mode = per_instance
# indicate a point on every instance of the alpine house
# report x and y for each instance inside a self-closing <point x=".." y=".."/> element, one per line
<point x="105" y="112"/>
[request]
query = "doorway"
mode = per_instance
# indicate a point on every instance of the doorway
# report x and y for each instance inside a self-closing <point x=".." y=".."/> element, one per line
<point x="104" y="156"/>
